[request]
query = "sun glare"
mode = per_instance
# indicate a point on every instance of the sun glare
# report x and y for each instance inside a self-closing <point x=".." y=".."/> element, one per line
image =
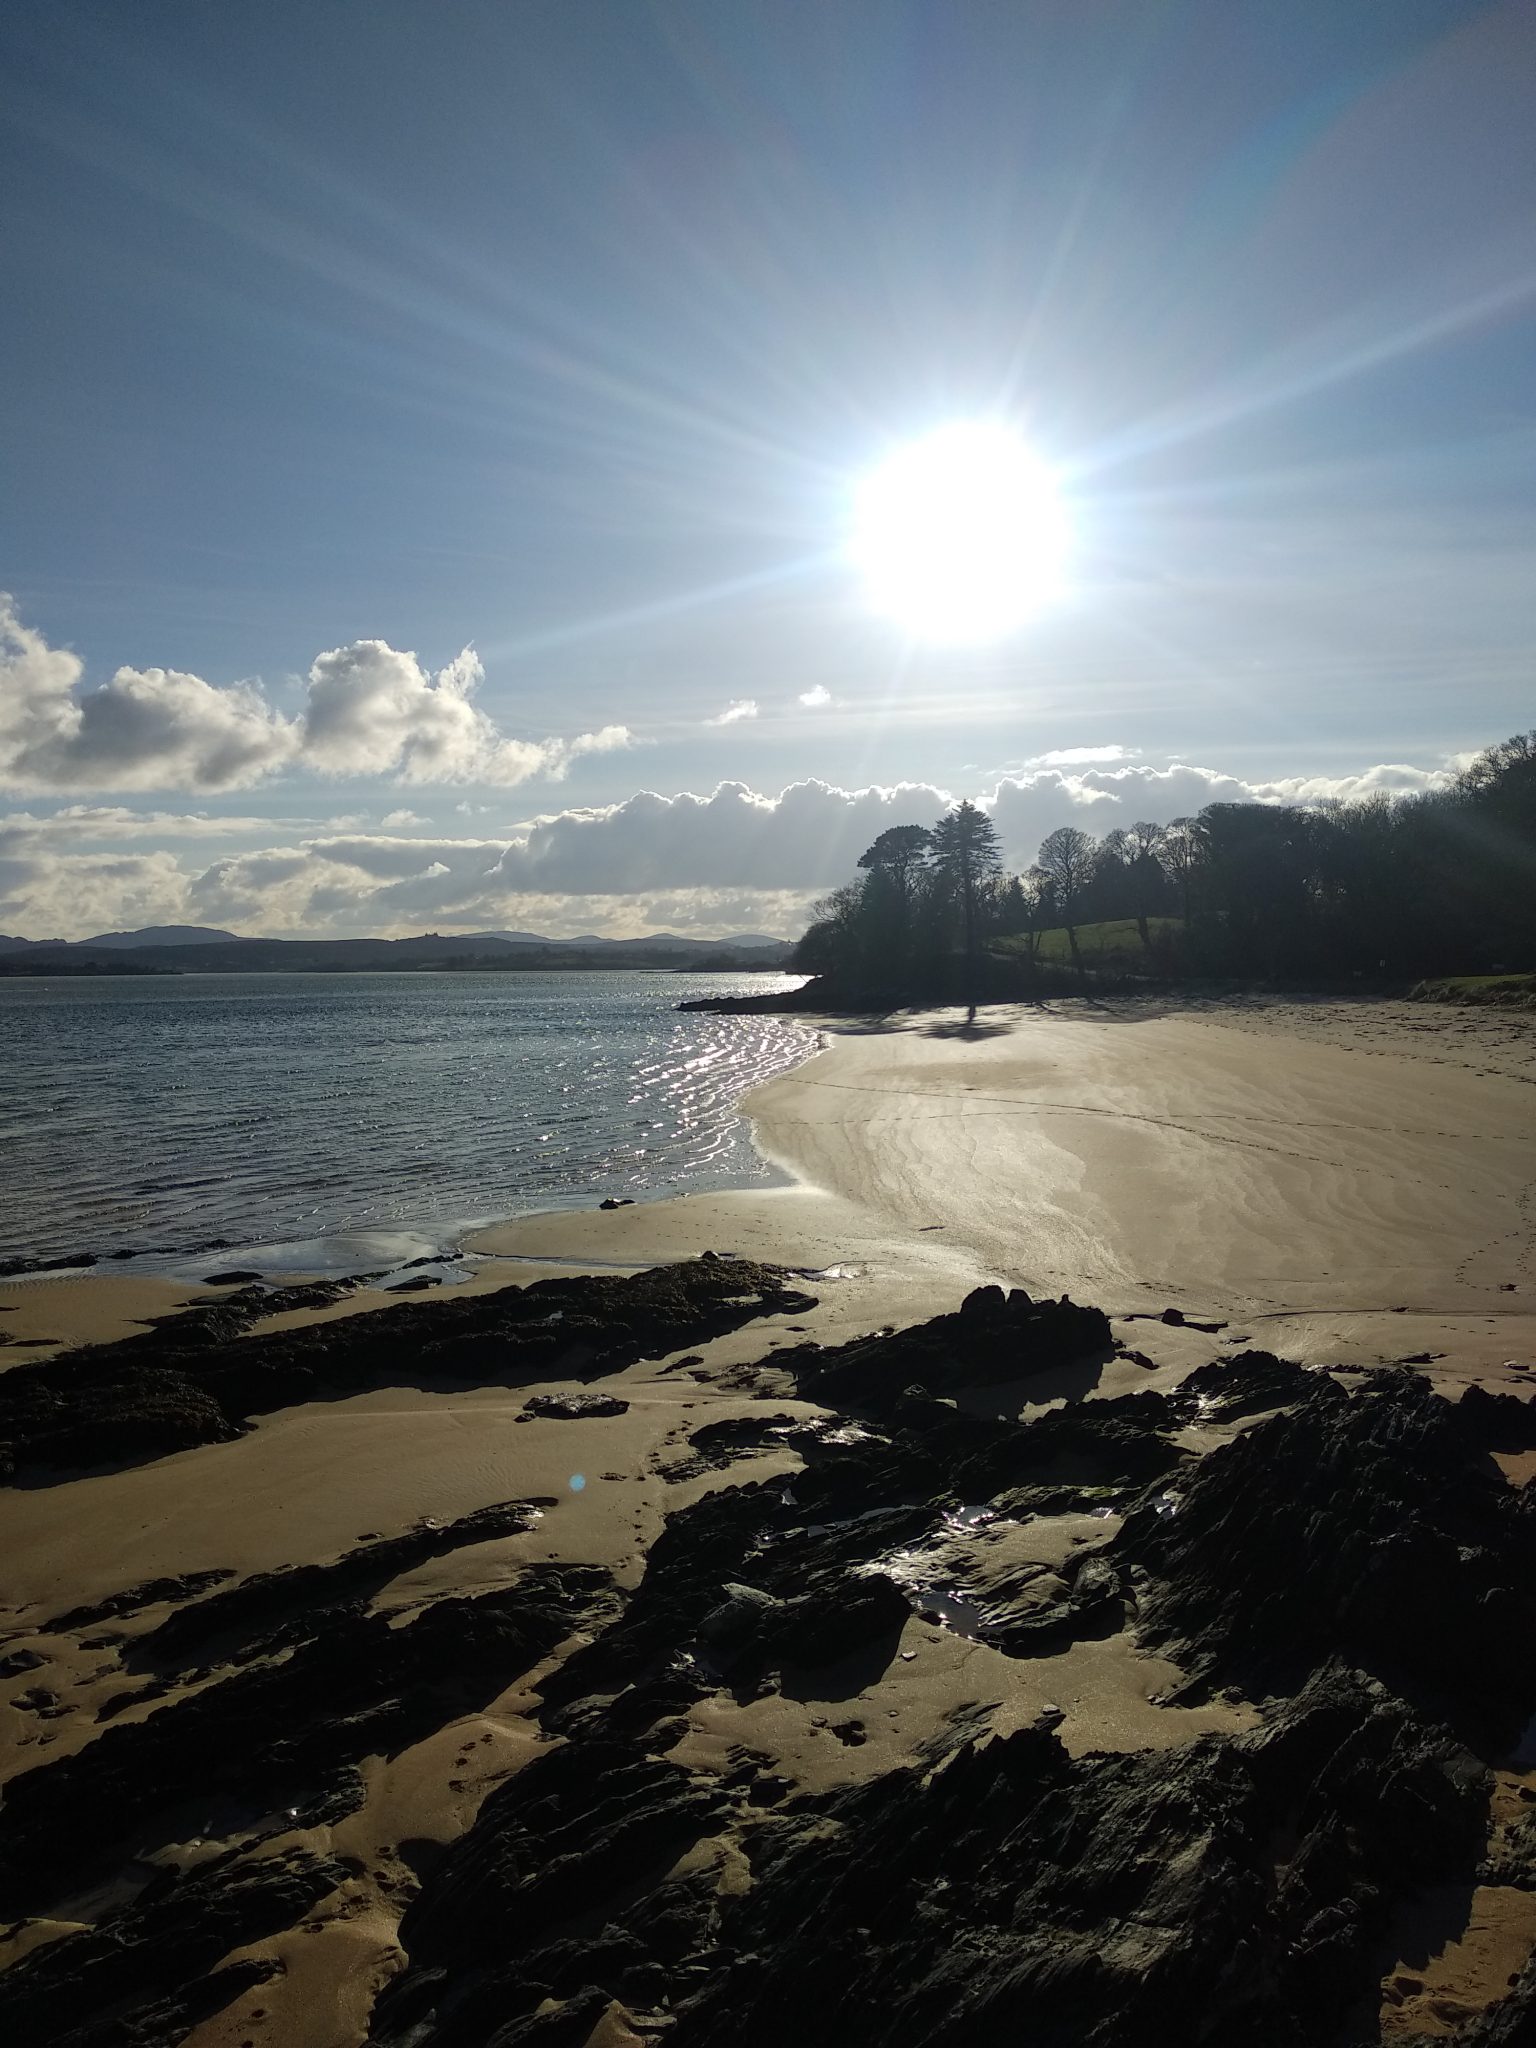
<point x="961" y="536"/>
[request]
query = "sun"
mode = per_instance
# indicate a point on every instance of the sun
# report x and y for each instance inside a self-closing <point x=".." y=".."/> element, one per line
<point x="961" y="536"/>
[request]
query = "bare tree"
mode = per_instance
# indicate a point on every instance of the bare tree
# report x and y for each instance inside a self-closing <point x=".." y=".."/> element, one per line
<point x="1181" y="852"/>
<point x="1144" y="876"/>
<point x="1067" y="859"/>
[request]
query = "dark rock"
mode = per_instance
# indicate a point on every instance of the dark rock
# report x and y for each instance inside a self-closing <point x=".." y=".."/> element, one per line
<point x="185" y="1382"/>
<point x="575" y="1407"/>
<point x="177" y="1930"/>
<point x="1497" y="1422"/>
<point x="1104" y="1900"/>
<point x="993" y="1337"/>
<point x="20" y="1661"/>
<point x="239" y="1277"/>
<point x="263" y="1612"/>
<point x="133" y="1599"/>
<point x="740" y="1615"/>
<point x="575" y="1835"/>
<point x="1360" y="1525"/>
<point x="617" y="1202"/>
<point x="717" y="1445"/>
<point x="10" y="1268"/>
<point x="1245" y="1384"/>
<point x="1511" y="1855"/>
<point x="417" y="1284"/>
<point x="1509" y="2024"/>
<point x="275" y="1735"/>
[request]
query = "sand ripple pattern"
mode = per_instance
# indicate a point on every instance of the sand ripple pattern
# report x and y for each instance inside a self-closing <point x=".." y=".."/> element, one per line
<point x="274" y="1108"/>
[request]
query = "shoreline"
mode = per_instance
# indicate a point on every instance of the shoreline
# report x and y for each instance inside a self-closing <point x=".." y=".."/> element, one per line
<point x="1249" y="1161"/>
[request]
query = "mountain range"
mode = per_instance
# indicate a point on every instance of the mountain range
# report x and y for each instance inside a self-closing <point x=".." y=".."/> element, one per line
<point x="199" y="949"/>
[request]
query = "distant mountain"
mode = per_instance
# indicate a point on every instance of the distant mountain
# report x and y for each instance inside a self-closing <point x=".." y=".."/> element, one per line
<point x="183" y="949"/>
<point x="652" y="942"/>
<point x="162" y="935"/>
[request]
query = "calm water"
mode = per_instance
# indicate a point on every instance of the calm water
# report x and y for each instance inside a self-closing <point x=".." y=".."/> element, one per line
<point x="274" y="1110"/>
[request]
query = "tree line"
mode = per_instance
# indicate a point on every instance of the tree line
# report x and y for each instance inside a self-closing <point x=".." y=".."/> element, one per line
<point x="1393" y="888"/>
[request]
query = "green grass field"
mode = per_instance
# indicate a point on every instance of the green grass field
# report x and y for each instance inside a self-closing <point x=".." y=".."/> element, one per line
<point x="1502" y="991"/>
<point x="1114" y="947"/>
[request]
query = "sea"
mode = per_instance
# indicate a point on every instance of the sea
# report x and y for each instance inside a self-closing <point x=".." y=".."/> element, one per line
<point x="316" y="1123"/>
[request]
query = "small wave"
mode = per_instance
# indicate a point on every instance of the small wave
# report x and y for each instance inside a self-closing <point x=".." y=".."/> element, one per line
<point x="377" y="1114"/>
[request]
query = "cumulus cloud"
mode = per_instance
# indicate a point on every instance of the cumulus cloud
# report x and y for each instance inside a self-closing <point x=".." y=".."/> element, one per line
<point x="369" y="709"/>
<point x="738" y="709"/>
<point x="1075" y="757"/>
<point x="1391" y="778"/>
<point x="150" y="728"/>
<point x="735" y="859"/>
<point x="47" y="894"/>
<point x="813" y="699"/>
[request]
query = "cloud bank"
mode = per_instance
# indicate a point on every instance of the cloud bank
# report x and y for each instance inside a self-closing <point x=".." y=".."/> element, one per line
<point x="369" y="710"/>
<point x="732" y="860"/>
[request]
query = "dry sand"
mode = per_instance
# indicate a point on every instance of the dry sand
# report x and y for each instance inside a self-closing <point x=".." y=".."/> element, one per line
<point x="1340" y="1183"/>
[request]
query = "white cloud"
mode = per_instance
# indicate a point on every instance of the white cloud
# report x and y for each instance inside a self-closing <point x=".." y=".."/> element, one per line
<point x="1075" y="757"/>
<point x="147" y="729"/>
<point x="738" y="709"/>
<point x="732" y="860"/>
<point x="47" y="895"/>
<point x="80" y="822"/>
<point x="1391" y="778"/>
<point x="369" y="709"/>
<point x="400" y="819"/>
<point x="814" y="699"/>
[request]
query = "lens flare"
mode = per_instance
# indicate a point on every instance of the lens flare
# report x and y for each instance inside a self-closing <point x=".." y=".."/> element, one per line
<point x="962" y="536"/>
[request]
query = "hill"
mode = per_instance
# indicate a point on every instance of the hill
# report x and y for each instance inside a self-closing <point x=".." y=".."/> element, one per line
<point x="162" y="935"/>
<point x="477" y="952"/>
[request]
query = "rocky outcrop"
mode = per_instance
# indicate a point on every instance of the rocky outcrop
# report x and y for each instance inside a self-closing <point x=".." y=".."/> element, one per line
<point x="267" y="1611"/>
<point x="197" y="1380"/>
<point x="1099" y="1902"/>
<point x="174" y="1934"/>
<point x="277" y="1740"/>
<point x="1355" y="1561"/>
<point x="992" y="1337"/>
<point x="1367" y="1526"/>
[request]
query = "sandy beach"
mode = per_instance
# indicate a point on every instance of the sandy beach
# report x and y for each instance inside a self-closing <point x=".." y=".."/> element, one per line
<point x="1345" y="1185"/>
<point x="1350" y="1181"/>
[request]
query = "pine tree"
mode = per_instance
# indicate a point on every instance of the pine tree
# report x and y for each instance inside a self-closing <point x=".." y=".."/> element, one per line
<point x="966" y="854"/>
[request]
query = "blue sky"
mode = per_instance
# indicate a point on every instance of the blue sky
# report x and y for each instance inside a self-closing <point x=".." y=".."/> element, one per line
<point x="566" y="331"/>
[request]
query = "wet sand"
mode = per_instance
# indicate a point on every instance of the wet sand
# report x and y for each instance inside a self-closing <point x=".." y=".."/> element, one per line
<point x="1348" y="1182"/>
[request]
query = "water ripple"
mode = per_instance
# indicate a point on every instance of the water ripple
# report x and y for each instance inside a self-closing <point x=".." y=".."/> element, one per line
<point x="263" y="1108"/>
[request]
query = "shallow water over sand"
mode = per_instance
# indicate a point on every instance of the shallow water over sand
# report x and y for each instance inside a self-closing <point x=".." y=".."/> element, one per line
<point x="168" y="1114"/>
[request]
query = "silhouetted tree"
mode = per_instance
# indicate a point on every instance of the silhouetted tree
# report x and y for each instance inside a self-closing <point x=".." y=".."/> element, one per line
<point x="894" y="864"/>
<point x="966" y="854"/>
<point x="1180" y="854"/>
<point x="830" y="944"/>
<point x="1067" y="859"/>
